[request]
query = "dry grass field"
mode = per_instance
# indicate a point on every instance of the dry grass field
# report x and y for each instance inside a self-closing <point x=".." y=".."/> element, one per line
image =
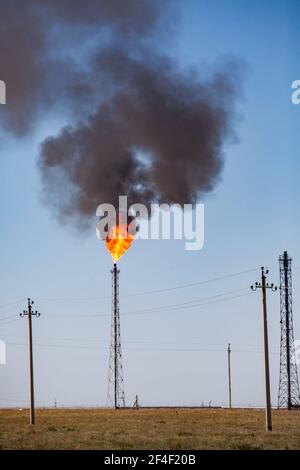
<point x="167" y="429"/>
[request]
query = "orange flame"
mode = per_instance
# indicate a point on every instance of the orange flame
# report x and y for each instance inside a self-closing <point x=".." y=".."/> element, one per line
<point x="118" y="241"/>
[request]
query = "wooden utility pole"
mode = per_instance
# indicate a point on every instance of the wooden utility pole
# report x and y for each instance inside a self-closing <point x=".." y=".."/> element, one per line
<point x="229" y="374"/>
<point x="29" y="313"/>
<point x="264" y="286"/>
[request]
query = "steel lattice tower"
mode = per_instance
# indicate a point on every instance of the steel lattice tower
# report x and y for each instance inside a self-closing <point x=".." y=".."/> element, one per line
<point x="288" y="396"/>
<point x="116" y="396"/>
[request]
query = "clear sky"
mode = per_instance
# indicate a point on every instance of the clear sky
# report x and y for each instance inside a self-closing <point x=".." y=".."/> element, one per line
<point x="175" y="356"/>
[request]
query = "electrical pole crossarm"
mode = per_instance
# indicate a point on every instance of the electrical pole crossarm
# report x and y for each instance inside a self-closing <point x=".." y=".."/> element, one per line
<point x="264" y="284"/>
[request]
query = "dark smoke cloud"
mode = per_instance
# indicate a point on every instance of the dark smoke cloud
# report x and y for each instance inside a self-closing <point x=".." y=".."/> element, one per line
<point x="36" y="75"/>
<point x="148" y="129"/>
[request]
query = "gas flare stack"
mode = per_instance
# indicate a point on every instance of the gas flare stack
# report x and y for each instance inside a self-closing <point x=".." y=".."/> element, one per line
<point x="288" y="396"/>
<point x="116" y="396"/>
<point x="117" y="242"/>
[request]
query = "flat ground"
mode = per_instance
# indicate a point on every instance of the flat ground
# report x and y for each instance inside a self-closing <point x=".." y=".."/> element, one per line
<point x="168" y="429"/>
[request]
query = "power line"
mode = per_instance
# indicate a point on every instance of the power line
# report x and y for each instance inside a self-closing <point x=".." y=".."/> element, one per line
<point x="12" y="303"/>
<point x="89" y="340"/>
<point x="67" y="346"/>
<point x="188" y="304"/>
<point x="3" y="323"/>
<point x="7" y="318"/>
<point x="180" y="307"/>
<point x="223" y="343"/>
<point x="194" y="283"/>
<point x="159" y="309"/>
<point x="156" y="291"/>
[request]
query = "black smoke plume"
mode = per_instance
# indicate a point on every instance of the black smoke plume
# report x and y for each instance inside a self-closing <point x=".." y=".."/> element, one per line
<point x="148" y="129"/>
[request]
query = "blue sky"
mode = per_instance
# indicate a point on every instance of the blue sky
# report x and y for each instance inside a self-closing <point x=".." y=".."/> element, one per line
<point x="250" y="218"/>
